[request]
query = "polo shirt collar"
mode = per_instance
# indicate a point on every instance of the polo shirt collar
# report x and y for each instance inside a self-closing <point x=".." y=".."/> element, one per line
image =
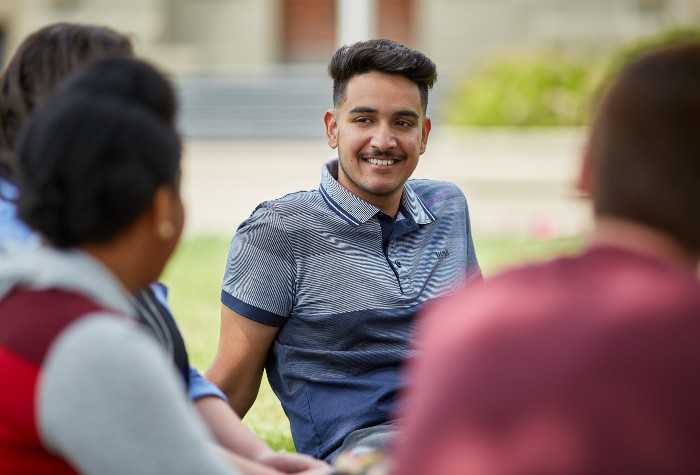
<point x="355" y="210"/>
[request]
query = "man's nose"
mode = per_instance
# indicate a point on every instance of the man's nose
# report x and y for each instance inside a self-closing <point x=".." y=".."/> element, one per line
<point x="383" y="138"/>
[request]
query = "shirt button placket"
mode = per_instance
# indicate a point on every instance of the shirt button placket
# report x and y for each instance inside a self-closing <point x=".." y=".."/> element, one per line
<point x="395" y="263"/>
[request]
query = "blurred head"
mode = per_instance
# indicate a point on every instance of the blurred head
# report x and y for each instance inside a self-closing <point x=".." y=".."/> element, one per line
<point x="383" y="56"/>
<point x="99" y="155"/>
<point x="43" y="60"/>
<point x="644" y="149"/>
<point x="549" y="393"/>
<point x="131" y="80"/>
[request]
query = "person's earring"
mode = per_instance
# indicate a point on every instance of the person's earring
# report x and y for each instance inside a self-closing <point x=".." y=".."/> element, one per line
<point x="166" y="230"/>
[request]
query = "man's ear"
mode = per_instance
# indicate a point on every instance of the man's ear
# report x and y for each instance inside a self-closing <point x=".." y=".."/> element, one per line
<point x="583" y="181"/>
<point x="425" y="132"/>
<point x="331" y="128"/>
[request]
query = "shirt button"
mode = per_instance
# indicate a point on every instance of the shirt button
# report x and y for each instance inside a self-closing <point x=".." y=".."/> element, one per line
<point x="398" y="263"/>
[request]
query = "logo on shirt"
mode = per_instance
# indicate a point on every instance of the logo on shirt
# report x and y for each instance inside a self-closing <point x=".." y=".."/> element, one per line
<point x="442" y="254"/>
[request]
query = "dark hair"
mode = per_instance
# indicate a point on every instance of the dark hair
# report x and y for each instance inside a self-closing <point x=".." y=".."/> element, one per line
<point x="645" y="144"/>
<point x="43" y="60"/>
<point x="91" y="159"/>
<point x="384" y="56"/>
<point x="128" y="79"/>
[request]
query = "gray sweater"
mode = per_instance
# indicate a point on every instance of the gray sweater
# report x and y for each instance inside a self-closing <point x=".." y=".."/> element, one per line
<point x="109" y="400"/>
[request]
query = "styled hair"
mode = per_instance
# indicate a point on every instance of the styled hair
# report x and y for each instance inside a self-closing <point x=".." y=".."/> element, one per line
<point x="41" y="62"/>
<point x="91" y="159"/>
<point x="384" y="56"/>
<point x="645" y="144"/>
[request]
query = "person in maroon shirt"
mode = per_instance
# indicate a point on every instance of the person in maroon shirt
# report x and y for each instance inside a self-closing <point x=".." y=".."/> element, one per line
<point x="586" y="364"/>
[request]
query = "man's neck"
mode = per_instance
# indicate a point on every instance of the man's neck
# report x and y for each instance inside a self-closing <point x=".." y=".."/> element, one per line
<point x="636" y="237"/>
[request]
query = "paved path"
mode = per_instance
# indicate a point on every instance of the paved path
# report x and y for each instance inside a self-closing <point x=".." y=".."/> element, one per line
<point x="516" y="182"/>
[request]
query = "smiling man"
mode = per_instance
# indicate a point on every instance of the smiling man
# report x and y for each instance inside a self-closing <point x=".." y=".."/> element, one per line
<point x="321" y="286"/>
<point x="380" y="129"/>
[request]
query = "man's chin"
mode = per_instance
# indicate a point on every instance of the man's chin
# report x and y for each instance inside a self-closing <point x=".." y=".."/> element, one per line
<point x="381" y="191"/>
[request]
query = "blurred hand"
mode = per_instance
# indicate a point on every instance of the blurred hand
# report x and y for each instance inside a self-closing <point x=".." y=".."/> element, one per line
<point x="302" y="464"/>
<point x="362" y="461"/>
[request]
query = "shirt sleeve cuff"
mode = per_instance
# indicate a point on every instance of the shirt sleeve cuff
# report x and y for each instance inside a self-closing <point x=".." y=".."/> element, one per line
<point x="250" y="312"/>
<point x="200" y="387"/>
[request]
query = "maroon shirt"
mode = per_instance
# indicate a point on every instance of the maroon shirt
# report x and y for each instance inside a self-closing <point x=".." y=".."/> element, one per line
<point x="583" y="365"/>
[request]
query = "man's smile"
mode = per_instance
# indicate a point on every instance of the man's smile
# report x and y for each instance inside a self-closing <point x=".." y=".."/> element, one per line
<point x="381" y="158"/>
<point x="380" y="161"/>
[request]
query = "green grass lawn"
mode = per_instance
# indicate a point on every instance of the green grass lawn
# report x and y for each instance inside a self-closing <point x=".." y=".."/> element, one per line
<point x="194" y="278"/>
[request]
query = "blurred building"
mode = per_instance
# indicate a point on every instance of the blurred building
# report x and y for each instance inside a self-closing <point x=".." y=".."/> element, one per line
<point x="213" y="36"/>
<point x="255" y="69"/>
<point x="252" y="54"/>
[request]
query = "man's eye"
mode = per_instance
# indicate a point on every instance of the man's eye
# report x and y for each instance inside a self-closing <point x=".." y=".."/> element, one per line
<point x="404" y="123"/>
<point x="362" y="119"/>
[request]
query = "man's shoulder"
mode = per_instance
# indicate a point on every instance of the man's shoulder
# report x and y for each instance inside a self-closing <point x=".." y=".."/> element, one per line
<point x="289" y="211"/>
<point x="426" y="184"/>
<point x="426" y="188"/>
<point x="290" y="204"/>
<point x="293" y="200"/>
<point x="437" y="193"/>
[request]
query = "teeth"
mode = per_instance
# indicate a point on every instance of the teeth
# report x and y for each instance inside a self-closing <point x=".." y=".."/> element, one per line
<point x="377" y="161"/>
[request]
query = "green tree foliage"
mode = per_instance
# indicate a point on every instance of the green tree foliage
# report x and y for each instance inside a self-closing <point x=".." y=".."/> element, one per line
<point x="524" y="90"/>
<point x="544" y="88"/>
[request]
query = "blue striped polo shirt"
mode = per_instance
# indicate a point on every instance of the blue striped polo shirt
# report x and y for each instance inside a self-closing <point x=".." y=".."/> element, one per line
<point x="343" y="282"/>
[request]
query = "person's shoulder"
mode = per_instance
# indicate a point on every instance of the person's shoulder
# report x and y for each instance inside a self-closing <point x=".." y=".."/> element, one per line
<point x="8" y="195"/>
<point x="13" y="231"/>
<point x="291" y="201"/>
<point x="438" y="196"/>
<point x="425" y="185"/>
<point x="282" y="209"/>
<point x="517" y="297"/>
<point x="435" y="190"/>
<point x="516" y="286"/>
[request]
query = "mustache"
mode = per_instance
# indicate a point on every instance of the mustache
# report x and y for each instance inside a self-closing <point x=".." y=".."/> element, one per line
<point x="389" y="155"/>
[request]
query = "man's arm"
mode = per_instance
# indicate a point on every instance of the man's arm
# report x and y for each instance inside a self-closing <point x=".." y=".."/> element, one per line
<point x="240" y="359"/>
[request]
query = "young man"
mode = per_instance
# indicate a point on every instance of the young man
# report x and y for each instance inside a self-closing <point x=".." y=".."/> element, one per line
<point x="321" y="286"/>
<point x="586" y="364"/>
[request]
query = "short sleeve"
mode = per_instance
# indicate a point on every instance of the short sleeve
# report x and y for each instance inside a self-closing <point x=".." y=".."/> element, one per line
<point x="259" y="279"/>
<point x="200" y="387"/>
<point x="13" y="231"/>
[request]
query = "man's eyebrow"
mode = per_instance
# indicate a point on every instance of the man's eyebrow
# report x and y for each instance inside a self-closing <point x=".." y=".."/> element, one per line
<point x="370" y="110"/>
<point x="363" y="110"/>
<point x="407" y="113"/>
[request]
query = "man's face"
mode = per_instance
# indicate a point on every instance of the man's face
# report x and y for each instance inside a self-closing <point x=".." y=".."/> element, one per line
<point x="380" y="131"/>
